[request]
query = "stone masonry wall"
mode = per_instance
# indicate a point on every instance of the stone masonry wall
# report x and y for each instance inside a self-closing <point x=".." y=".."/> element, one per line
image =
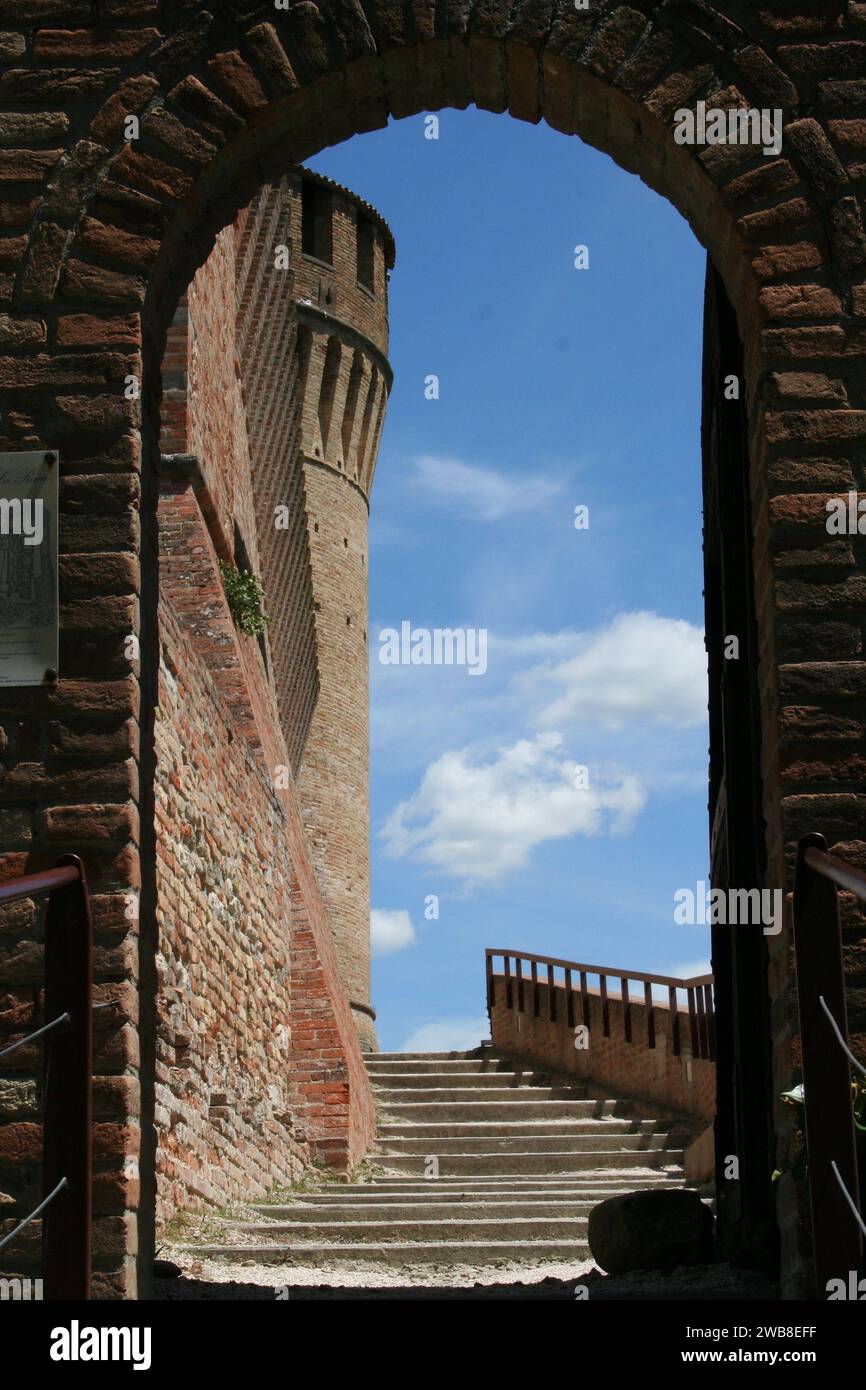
<point x="255" y="1073"/>
<point x="224" y="1107"/>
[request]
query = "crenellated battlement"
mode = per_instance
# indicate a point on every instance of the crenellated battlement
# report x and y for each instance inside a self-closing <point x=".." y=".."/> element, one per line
<point x="345" y="394"/>
<point x="341" y="253"/>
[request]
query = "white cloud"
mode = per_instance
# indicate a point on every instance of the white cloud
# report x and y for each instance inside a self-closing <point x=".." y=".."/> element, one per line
<point x="390" y="930"/>
<point x="448" y="1035"/>
<point x="482" y="492"/>
<point x="478" y="821"/>
<point x="640" y="668"/>
<point x="625" y="692"/>
<point x="688" y="970"/>
<point x="691" y="970"/>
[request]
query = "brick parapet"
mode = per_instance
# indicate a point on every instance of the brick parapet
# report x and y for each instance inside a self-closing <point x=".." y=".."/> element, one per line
<point x="683" y="1083"/>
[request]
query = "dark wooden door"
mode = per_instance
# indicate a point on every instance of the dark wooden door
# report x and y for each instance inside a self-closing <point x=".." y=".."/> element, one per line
<point x="747" y="1226"/>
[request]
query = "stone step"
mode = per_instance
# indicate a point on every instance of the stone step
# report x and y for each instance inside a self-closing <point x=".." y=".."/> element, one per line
<point x="468" y="1080"/>
<point x="472" y="1054"/>
<point x="399" y="1254"/>
<point x="499" y="1093"/>
<point x="596" y="1180"/>
<point x="522" y="1162"/>
<point x="509" y="1165"/>
<point x="475" y="1208"/>
<point x="467" y="1190"/>
<point x="494" y="1144"/>
<point x="506" y="1129"/>
<point x="298" y="1233"/>
<point x="508" y="1107"/>
<point x="423" y="1066"/>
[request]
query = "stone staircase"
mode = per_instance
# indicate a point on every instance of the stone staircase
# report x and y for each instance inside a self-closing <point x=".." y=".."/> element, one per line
<point x="478" y="1161"/>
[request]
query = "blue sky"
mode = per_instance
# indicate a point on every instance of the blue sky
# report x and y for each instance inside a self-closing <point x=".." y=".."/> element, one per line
<point x="558" y="388"/>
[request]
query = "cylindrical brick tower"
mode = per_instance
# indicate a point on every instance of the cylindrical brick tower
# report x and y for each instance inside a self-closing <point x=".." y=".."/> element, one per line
<point x="343" y="254"/>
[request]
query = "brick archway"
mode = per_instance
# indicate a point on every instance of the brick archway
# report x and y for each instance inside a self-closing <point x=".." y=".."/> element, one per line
<point x="102" y="233"/>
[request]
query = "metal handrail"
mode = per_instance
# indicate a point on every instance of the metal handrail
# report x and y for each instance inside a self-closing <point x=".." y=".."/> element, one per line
<point x="38" y="1033"/>
<point x="37" y="1211"/>
<point x="842" y="874"/>
<point x="837" y="1033"/>
<point x="619" y="974"/>
<point x="827" y="1088"/>
<point x="38" y="885"/>
<point x="67" y="1164"/>
<point x="700" y="1009"/>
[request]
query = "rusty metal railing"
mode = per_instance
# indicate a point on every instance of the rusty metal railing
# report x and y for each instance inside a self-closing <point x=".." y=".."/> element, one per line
<point x="828" y="1095"/>
<point x="698" y="997"/>
<point x="66" y="1149"/>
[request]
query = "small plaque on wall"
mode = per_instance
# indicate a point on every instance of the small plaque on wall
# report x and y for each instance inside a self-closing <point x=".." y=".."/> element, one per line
<point x="29" y="621"/>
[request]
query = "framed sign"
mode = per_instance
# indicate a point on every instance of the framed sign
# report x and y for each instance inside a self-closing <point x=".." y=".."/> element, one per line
<point x="29" y="621"/>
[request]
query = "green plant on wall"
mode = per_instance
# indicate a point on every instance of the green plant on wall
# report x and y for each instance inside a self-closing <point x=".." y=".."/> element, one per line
<point x="245" y="596"/>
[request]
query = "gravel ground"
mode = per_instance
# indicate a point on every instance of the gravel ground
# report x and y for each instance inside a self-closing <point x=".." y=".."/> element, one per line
<point x="200" y="1274"/>
<point x="373" y="1275"/>
<point x="211" y="1279"/>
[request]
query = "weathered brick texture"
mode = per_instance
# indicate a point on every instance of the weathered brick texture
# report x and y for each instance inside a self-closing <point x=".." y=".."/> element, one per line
<point x="224" y="1109"/>
<point x="258" y="1067"/>
<point x="684" y="1083"/>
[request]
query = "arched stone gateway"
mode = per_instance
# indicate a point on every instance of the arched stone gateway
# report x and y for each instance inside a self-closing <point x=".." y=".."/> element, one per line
<point x="132" y="131"/>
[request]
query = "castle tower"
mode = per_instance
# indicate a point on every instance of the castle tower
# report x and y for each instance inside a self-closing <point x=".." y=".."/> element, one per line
<point x="342" y="254"/>
<point x="275" y="384"/>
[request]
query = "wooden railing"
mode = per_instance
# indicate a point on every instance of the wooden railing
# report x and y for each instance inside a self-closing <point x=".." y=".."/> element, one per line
<point x="828" y="1094"/>
<point x="68" y="1032"/>
<point x="519" y="988"/>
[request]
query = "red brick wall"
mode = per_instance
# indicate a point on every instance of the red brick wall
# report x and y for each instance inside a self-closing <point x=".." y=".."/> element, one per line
<point x="653" y="1075"/>
<point x="257" y="1063"/>
<point x="348" y="302"/>
<point x="224" y="1108"/>
<point x="258" y="1066"/>
<point x="248" y="979"/>
<point x="267" y="344"/>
